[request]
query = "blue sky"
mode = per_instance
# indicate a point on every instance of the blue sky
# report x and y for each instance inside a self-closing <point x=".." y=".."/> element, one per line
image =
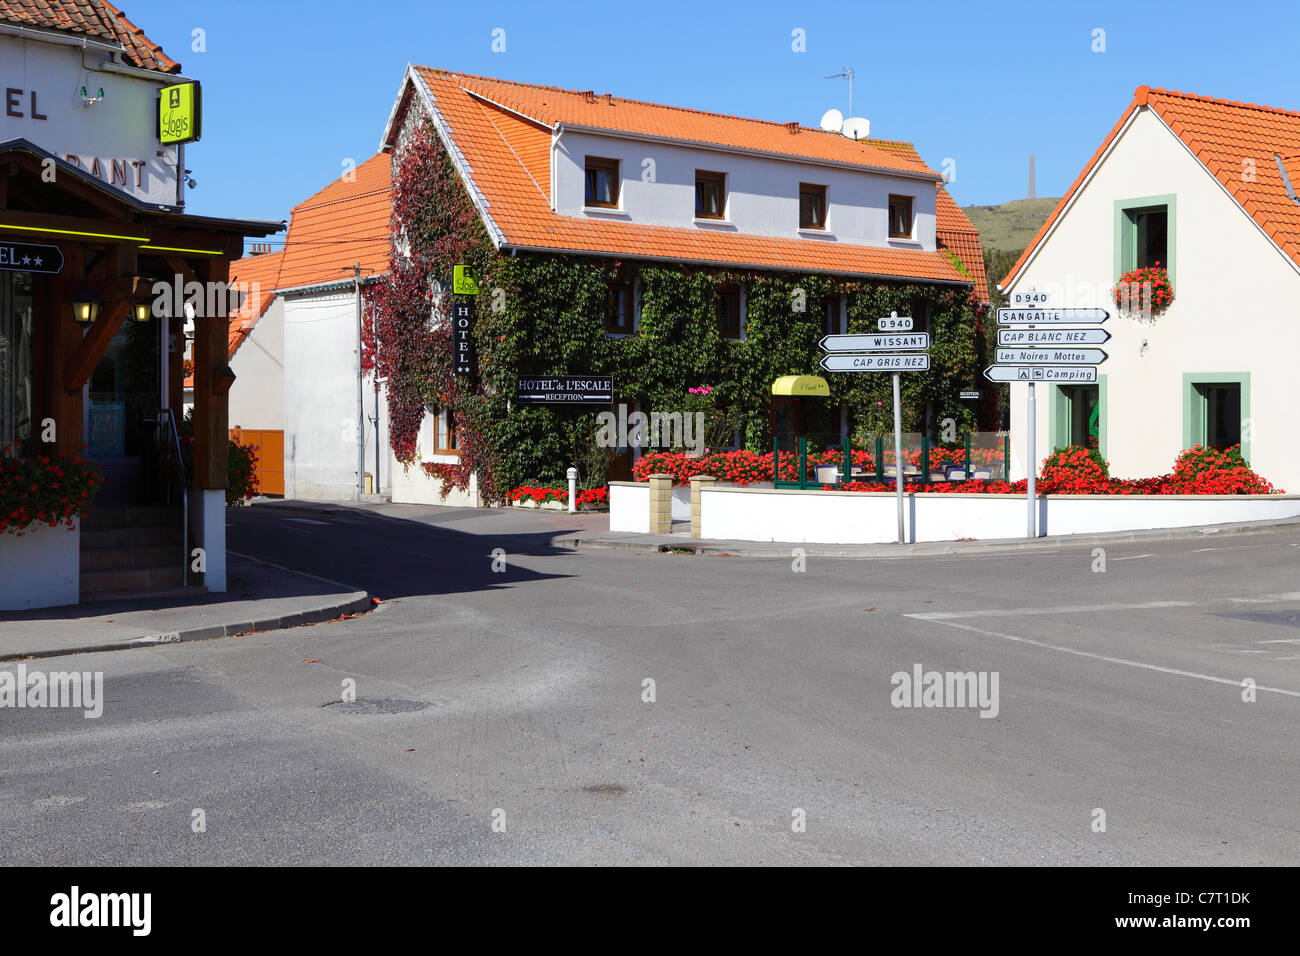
<point x="292" y="89"/>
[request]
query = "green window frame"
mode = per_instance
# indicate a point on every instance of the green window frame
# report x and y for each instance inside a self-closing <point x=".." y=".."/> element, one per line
<point x="1126" y="232"/>
<point x="1059" y="401"/>
<point x="1194" y="411"/>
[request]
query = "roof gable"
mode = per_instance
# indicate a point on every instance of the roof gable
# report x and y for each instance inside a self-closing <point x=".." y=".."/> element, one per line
<point x="1221" y="134"/>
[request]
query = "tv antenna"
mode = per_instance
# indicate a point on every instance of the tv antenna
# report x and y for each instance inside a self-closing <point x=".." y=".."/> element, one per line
<point x="847" y="72"/>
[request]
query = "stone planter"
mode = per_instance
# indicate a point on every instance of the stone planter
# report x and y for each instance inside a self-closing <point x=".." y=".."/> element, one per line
<point x="40" y="569"/>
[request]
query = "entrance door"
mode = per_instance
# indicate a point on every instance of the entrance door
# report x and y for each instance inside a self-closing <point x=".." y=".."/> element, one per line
<point x="122" y="407"/>
<point x="15" y="361"/>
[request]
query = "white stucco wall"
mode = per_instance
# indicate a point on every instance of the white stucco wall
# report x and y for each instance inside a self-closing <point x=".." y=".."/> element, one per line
<point x="320" y="400"/>
<point x="837" y="517"/>
<point x="412" y="485"/>
<point x="1237" y="309"/>
<point x="121" y="126"/>
<point x="762" y="195"/>
<point x="257" y="397"/>
<point x="40" y="569"/>
<point x="629" y="506"/>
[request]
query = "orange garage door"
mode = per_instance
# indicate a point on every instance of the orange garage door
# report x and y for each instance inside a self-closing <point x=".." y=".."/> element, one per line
<point x="270" y="457"/>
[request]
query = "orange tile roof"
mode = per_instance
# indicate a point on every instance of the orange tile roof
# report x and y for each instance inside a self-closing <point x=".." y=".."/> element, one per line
<point x="257" y="276"/>
<point x="956" y="232"/>
<point x="344" y="223"/>
<point x="1220" y="133"/>
<point x="91" y="18"/>
<point x="510" y="171"/>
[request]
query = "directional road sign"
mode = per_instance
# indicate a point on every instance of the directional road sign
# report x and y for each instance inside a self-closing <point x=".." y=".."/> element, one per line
<point x="1050" y="356"/>
<point x="1052" y="336"/>
<point x="877" y="362"/>
<point x="875" y="343"/>
<point x="1052" y="316"/>
<point x="1084" y="374"/>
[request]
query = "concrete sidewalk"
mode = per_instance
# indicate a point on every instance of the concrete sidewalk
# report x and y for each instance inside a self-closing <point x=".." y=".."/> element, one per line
<point x="260" y="597"/>
<point x="681" y="540"/>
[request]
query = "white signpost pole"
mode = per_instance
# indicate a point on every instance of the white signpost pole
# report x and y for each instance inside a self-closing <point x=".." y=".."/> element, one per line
<point x="1033" y="462"/>
<point x="898" y="457"/>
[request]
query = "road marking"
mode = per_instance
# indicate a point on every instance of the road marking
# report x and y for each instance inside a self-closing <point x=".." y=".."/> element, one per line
<point x="1113" y="660"/>
<point x="308" y="521"/>
<point x="1134" y="557"/>
<point x="1028" y="611"/>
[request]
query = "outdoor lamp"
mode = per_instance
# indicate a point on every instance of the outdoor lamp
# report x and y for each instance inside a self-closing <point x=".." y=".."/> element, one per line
<point x="143" y="312"/>
<point x="85" y="306"/>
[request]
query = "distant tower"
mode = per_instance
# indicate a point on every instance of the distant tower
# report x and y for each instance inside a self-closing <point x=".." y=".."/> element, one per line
<point x="1033" y="192"/>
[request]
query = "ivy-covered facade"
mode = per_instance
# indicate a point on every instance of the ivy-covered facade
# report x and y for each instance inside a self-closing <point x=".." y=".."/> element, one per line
<point x="541" y="313"/>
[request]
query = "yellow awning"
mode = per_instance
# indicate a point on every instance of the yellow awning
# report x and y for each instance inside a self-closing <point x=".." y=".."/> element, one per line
<point x="813" y="385"/>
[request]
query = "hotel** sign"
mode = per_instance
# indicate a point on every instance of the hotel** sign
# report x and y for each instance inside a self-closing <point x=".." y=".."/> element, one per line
<point x="464" y="356"/>
<point x="29" y="257"/>
<point x="566" y="390"/>
<point x="180" y="114"/>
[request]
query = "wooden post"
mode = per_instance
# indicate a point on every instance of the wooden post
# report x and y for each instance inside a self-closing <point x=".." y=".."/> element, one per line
<point x="211" y="408"/>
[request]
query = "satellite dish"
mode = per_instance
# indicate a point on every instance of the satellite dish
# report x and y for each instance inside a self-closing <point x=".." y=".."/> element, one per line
<point x="855" y="127"/>
<point x="832" y="120"/>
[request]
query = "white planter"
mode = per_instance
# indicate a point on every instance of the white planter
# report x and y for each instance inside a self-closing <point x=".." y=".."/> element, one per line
<point x="40" y="569"/>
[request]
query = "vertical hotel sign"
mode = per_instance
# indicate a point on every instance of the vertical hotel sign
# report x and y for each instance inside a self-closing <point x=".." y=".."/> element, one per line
<point x="180" y="114"/>
<point x="464" y="359"/>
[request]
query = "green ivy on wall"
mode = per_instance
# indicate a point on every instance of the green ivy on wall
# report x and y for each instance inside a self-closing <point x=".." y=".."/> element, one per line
<point x="541" y="314"/>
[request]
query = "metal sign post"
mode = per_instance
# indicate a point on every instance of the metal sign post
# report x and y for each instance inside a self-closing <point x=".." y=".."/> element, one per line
<point x="1033" y="466"/>
<point x="898" y="458"/>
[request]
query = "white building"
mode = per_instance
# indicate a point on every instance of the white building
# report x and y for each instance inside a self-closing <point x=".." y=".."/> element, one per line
<point x="294" y="349"/>
<point x="1201" y="186"/>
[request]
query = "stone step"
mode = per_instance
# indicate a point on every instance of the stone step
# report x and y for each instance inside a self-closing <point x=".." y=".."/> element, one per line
<point x="141" y="557"/>
<point x="134" y="516"/>
<point x="101" y="583"/>
<point x="145" y="536"/>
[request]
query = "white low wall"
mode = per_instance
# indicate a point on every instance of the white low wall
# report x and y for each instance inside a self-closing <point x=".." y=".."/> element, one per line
<point x="414" y="486"/>
<point x="629" y="506"/>
<point x="842" y="517"/>
<point x="42" y="568"/>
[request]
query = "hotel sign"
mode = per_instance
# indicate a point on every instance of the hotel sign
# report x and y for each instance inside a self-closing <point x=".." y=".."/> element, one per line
<point x="180" y="114"/>
<point x="28" y="257"/>
<point x="464" y="357"/>
<point x="566" y="390"/>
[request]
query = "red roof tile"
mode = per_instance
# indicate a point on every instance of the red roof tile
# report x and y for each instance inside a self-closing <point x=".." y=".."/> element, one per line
<point x="346" y="222"/>
<point x="508" y="160"/>
<point x="1221" y="134"/>
<point x="90" y="18"/>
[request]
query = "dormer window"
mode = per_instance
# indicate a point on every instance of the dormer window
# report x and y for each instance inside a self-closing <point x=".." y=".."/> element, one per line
<point x="602" y="182"/>
<point x="900" y="217"/>
<point x="812" y="206"/>
<point x="710" y="194"/>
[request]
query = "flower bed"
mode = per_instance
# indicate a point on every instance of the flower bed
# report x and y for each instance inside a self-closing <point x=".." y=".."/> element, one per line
<point x="45" y="490"/>
<point x="1076" y="471"/>
<point x="529" y="496"/>
<point x="746" y="467"/>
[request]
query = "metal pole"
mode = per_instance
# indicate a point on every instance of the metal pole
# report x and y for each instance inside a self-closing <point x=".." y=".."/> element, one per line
<point x="898" y="457"/>
<point x="1033" y="462"/>
<point x="361" y="410"/>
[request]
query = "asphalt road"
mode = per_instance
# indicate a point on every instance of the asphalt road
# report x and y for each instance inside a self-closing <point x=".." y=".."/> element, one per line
<point x="1119" y="691"/>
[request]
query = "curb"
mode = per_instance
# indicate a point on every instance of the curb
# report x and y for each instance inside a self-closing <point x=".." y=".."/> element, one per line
<point x="355" y="602"/>
<point x="923" y="549"/>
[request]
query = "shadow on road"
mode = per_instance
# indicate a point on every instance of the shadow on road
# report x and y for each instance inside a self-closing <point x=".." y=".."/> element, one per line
<point x="388" y="556"/>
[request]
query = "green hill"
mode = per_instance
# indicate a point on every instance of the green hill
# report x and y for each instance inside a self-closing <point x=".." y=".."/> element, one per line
<point x="1010" y="226"/>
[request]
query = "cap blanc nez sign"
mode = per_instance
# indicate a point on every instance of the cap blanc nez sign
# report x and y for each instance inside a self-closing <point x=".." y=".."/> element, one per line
<point x="28" y="257"/>
<point x="180" y="114"/>
<point x="566" y="390"/>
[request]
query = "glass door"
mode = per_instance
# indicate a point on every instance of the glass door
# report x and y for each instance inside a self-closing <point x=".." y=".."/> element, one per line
<point x="15" y="362"/>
